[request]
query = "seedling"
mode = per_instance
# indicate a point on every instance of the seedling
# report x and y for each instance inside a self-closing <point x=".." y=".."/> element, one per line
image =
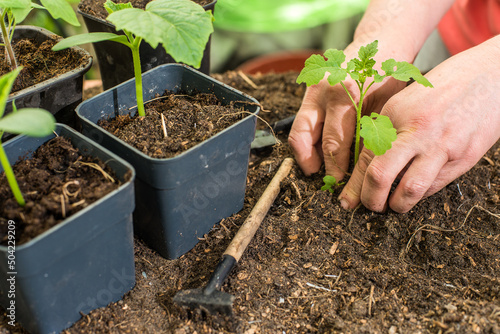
<point x="32" y="122"/>
<point x="181" y="26"/>
<point x="329" y="183"/>
<point x="15" y="11"/>
<point x="377" y="130"/>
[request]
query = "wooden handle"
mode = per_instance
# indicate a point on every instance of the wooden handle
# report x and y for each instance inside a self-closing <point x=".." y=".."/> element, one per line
<point x="252" y="223"/>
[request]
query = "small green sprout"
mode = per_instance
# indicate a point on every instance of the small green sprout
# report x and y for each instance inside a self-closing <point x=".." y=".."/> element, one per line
<point x="377" y="130"/>
<point x="181" y="26"/>
<point x="15" y="11"/>
<point x="32" y="122"/>
<point x="329" y="183"/>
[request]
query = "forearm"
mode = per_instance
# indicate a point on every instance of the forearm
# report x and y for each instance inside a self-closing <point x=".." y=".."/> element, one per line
<point x="400" y="26"/>
<point x="484" y="59"/>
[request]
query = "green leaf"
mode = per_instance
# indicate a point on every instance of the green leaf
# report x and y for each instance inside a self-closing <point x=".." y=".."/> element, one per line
<point x="182" y="26"/>
<point x="317" y="66"/>
<point x="61" y="9"/>
<point x="330" y="181"/>
<point x="365" y="61"/>
<point x="21" y="13"/>
<point x="335" y="57"/>
<point x="15" y="3"/>
<point x="6" y="82"/>
<point x="366" y="53"/>
<point x="33" y="122"/>
<point x="404" y="72"/>
<point x="378" y="133"/>
<point x="362" y="68"/>
<point x="378" y="78"/>
<point x="89" y="38"/>
<point x="354" y="75"/>
<point x="112" y="7"/>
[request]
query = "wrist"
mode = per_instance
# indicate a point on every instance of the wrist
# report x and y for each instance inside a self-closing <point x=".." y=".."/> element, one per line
<point x="401" y="27"/>
<point x="390" y="45"/>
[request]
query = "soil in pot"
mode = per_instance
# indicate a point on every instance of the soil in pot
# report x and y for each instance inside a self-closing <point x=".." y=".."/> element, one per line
<point x="188" y="119"/>
<point x="39" y="61"/>
<point x="279" y="93"/>
<point x="314" y="268"/>
<point x="96" y="7"/>
<point x="56" y="183"/>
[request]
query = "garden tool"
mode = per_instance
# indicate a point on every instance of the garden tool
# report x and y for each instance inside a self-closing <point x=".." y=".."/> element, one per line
<point x="265" y="138"/>
<point x="210" y="298"/>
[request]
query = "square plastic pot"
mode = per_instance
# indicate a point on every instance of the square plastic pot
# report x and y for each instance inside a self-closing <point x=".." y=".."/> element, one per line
<point x="59" y="95"/>
<point x="115" y="60"/>
<point x="179" y="199"/>
<point x="83" y="263"/>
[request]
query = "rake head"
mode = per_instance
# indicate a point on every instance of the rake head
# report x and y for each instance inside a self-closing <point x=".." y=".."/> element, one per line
<point x="214" y="302"/>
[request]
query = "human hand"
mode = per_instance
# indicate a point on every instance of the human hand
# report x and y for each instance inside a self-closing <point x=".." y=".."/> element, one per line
<point x="325" y="124"/>
<point x="442" y="133"/>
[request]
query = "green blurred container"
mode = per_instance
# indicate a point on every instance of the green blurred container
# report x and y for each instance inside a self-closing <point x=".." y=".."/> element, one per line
<point x="265" y="16"/>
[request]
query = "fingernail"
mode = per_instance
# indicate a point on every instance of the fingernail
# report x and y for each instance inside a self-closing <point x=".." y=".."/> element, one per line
<point x="344" y="204"/>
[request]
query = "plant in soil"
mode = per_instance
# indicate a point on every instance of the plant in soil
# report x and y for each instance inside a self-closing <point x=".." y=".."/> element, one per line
<point x="32" y="122"/>
<point x="377" y="130"/>
<point x="330" y="183"/>
<point x="96" y="9"/>
<point x="14" y="12"/>
<point x="181" y="26"/>
<point x="391" y="273"/>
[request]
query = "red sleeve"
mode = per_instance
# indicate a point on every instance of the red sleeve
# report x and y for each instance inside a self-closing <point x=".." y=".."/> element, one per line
<point x="469" y="23"/>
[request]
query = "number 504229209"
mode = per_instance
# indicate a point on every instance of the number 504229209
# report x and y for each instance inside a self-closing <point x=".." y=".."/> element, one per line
<point x="11" y="245"/>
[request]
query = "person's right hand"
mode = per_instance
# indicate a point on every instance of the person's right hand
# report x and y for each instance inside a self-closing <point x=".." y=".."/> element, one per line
<point x="324" y="127"/>
<point x="442" y="133"/>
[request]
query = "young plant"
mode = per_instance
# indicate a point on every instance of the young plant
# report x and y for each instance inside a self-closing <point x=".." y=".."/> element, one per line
<point x="377" y="130"/>
<point x="15" y="11"/>
<point x="181" y="26"/>
<point x="32" y="122"/>
<point x="329" y="183"/>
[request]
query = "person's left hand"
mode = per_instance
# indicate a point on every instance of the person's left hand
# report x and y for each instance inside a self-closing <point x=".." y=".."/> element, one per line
<point x="442" y="133"/>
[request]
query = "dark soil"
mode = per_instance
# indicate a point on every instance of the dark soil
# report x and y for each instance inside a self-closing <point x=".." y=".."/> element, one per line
<point x="189" y="120"/>
<point x="96" y="7"/>
<point x="313" y="267"/>
<point x="279" y="94"/>
<point x="57" y="173"/>
<point x="39" y="62"/>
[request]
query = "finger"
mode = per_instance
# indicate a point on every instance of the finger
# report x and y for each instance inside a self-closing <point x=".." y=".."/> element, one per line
<point x="351" y="194"/>
<point x="338" y="133"/>
<point x="416" y="181"/>
<point x="450" y="172"/>
<point x="373" y="177"/>
<point x="304" y="137"/>
<point x="382" y="172"/>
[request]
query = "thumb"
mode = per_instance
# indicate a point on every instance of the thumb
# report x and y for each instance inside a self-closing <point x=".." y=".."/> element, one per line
<point x="350" y="196"/>
<point x="338" y="133"/>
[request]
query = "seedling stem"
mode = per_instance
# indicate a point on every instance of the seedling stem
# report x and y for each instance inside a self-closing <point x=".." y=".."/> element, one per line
<point x="6" y="37"/>
<point x="377" y="130"/>
<point x="11" y="178"/>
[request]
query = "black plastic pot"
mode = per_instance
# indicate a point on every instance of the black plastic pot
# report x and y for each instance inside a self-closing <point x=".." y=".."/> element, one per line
<point x="179" y="199"/>
<point x="115" y="60"/>
<point x="81" y="264"/>
<point x="59" y="95"/>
